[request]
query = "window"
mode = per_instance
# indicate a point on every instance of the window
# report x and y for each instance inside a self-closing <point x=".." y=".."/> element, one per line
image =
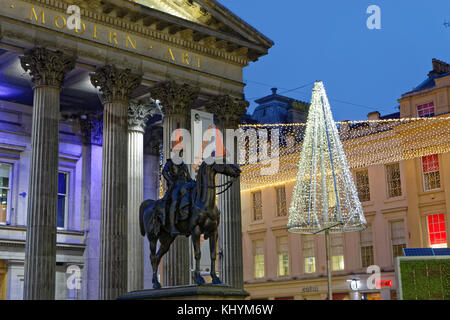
<point x="397" y="238"/>
<point x="309" y="256"/>
<point x="337" y="252"/>
<point x="425" y="110"/>
<point x="62" y="199"/>
<point x="258" y="258"/>
<point x="5" y="190"/>
<point x="257" y="205"/>
<point x="430" y="170"/>
<point x="437" y="234"/>
<point x="281" y="201"/>
<point x="366" y="244"/>
<point x="362" y="185"/>
<point x="393" y="180"/>
<point x="283" y="256"/>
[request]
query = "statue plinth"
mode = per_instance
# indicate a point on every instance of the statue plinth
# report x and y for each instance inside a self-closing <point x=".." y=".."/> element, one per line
<point x="188" y="292"/>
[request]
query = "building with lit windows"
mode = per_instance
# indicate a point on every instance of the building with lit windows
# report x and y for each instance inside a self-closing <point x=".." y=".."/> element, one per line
<point x="401" y="170"/>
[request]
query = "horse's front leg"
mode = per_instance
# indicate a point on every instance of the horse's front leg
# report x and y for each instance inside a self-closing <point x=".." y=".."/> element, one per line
<point x="196" y="240"/>
<point x="213" y="255"/>
<point x="155" y="263"/>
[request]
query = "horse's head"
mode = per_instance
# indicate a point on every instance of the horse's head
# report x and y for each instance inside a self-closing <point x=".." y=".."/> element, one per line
<point x="229" y="170"/>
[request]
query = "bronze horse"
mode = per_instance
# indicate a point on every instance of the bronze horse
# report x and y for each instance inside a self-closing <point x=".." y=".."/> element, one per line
<point x="202" y="217"/>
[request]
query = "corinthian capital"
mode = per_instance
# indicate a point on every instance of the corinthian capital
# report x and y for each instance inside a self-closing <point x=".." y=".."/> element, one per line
<point x="175" y="99"/>
<point x="47" y="68"/>
<point x="138" y="115"/>
<point x="227" y="110"/>
<point x="115" y="84"/>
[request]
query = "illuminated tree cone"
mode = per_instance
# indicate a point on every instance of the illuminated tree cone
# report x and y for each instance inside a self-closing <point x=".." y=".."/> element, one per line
<point x="324" y="196"/>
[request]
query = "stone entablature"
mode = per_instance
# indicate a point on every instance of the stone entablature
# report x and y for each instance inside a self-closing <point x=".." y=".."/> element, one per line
<point x="131" y="20"/>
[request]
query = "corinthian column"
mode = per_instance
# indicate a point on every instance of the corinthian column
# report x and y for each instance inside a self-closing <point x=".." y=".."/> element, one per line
<point x="47" y="70"/>
<point x="137" y="120"/>
<point x="228" y="112"/>
<point x="176" y="101"/>
<point x="116" y="85"/>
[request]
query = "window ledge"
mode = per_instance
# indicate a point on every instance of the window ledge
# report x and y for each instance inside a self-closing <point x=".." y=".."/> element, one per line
<point x="395" y="199"/>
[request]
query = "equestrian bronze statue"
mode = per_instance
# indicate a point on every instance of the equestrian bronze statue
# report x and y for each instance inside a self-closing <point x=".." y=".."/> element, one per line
<point x="188" y="208"/>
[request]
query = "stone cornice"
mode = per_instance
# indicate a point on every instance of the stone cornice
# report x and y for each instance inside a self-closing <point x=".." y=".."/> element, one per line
<point x="135" y="18"/>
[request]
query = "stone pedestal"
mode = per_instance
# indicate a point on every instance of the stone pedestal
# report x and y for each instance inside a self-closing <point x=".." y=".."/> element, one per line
<point x="190" y="292"/>
<point x="116" y="86"/>
<point x="47" y="70"/>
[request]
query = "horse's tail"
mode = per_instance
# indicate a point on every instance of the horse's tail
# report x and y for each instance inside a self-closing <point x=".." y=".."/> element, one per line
<point x="142" y="208"/>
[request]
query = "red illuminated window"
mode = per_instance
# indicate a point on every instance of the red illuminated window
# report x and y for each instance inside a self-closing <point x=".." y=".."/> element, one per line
<point x="436" y="230"/>
<point x="430" y="169"/>
<point x="425" y="110"/>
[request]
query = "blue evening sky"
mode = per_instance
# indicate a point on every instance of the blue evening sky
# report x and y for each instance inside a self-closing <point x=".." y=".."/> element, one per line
<point x="363" y="70"/>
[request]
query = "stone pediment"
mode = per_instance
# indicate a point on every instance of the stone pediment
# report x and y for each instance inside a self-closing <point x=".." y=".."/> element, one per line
<point x="204" y="21"/>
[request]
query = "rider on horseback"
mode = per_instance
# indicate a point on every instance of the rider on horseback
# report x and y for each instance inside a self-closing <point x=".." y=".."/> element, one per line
<point x="176" y="175"/>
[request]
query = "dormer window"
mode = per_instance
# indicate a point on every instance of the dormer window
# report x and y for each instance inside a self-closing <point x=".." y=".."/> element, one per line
<point x="425" y="110"/>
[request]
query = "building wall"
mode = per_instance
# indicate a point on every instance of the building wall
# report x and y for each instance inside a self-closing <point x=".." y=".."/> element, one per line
<point x="411" y="207"/>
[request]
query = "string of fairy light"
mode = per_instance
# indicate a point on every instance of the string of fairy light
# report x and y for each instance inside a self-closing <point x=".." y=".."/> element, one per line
<point x="366" y="143"/>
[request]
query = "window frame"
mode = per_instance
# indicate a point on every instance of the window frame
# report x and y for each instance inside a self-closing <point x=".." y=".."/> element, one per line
<point x="428" y="229"/>
<point x="279" y="252"/>
<point x="405" y="242"/>
<point x="254" y="242"/>
<point x="368" y="183"/>
<point x="389" y="196"/>
<point x="361" y="246"/>
<point x="66" y="200"/>
<point x="310" y="239"/>
<point x="428" y="106"/>
<point x="341" y="236"/>
<point x="9" y="192"/>
<point x="423" y="174"/>
<point x="280" y="203"/>
<point x="254" y="208"/>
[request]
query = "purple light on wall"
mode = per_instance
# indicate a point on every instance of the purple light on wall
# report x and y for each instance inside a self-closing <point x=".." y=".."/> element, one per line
<point x="6" y="92"/>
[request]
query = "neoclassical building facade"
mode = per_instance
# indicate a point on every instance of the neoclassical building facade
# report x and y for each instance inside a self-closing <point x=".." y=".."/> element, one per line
<point x="86" y="115"/>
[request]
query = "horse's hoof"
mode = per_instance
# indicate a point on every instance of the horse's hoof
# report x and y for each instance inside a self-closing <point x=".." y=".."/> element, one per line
<point x="156" y="285"/>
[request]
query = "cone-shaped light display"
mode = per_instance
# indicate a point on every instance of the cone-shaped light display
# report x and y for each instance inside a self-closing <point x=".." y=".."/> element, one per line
<point x="325" y="197"/>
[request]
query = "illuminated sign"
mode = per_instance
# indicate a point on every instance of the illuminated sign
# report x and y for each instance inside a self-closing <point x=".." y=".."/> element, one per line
<point x="384" y="283"/>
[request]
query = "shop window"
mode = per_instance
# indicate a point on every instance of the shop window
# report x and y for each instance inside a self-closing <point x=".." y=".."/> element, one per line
<point x="430" y="171"/>
<point x="258" y="258"/>
<point x="437" y="234"/>
<point x="398" y="240"/>
<point x="281" y="201"/>
<point x="394" y="185"/>
<point x="257" y="205"/>
<point x="5" y="190"/>
<point x="366" y="245"/>
<point x="309" y="254"/>
<point x="337" y="252"/>
<point x="63" y="186"/>
<point x="425" y="110"/>
<point x="283" y="256"/>
<point x="362" y="185"/>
